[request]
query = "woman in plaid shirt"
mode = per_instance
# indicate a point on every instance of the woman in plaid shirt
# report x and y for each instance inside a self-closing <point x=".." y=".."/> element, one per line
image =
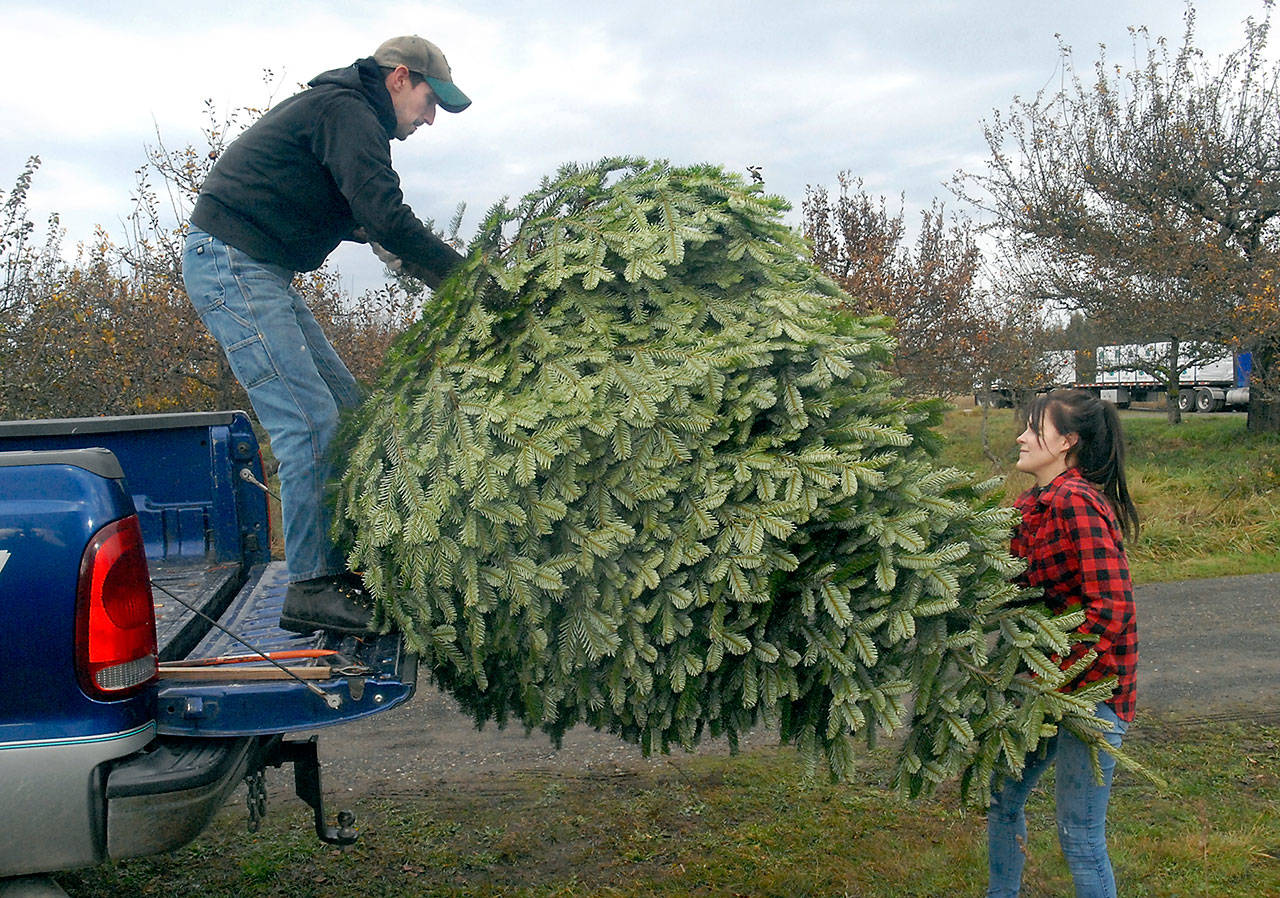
<point x="1073" y="525"/>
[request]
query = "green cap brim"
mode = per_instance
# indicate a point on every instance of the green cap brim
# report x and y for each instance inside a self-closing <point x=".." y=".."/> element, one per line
<point x="448" y="96"/>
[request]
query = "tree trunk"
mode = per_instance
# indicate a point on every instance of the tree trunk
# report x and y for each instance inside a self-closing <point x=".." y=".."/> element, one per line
<point x="1264" y="398"/>
<point x="985" y="430"/>
<point x="1264" y="411"/>
<point x="1173" y="372"/>
<point x="1022" y="400"/>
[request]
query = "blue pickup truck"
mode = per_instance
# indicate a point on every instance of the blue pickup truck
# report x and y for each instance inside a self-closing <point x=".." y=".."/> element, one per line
<point x="144" y="674"/>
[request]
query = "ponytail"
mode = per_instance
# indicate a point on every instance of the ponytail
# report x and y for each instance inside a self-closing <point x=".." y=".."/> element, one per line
<point x="1099" y="450"/>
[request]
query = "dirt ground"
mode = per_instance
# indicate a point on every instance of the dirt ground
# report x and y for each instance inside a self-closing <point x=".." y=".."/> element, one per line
<point x="1207" y="652"/>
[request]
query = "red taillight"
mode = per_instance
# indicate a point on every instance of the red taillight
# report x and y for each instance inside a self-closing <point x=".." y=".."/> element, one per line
<point x="115" y="617"/>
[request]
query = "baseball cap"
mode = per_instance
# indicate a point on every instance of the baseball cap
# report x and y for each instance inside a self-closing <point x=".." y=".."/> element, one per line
<point x="420" y="55"/>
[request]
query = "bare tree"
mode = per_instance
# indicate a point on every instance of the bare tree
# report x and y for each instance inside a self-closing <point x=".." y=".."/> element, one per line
<point x="1147" y="196"/>
<point x="927" y="288"/>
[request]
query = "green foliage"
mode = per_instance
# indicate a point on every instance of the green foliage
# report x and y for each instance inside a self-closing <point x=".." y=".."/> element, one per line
<point x="636" y="467"/>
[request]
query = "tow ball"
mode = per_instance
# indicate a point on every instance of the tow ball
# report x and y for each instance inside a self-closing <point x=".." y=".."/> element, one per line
<point x="306" y="783"/>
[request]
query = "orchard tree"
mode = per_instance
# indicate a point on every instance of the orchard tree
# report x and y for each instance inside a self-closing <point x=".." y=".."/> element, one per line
<point x="109" y="331"/>
<point x="87" y="337"/>
<point x="927" y="288"/>
<point x="1258" y="317"/>
<point x="1082" y="337"/>
<point x="1135" y="299"/>
<point x="24" y="258"/>
<point x="1147" y="197"/>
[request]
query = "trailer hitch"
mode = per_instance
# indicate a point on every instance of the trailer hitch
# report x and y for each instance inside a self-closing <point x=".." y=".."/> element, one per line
<point x="306" y="783"/>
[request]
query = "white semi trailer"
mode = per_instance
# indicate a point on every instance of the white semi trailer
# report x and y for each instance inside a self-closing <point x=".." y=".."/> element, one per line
<point x="1214" y="383"/>
<point x="1218" y="382"/>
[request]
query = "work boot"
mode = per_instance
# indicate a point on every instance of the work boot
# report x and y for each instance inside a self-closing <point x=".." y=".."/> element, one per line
<point x="337" y="604"/>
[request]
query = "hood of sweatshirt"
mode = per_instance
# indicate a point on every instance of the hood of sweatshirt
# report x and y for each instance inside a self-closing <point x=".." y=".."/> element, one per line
<point x="366" y="77"/>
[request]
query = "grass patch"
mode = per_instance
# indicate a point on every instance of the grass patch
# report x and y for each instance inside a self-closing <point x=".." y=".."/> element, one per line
<point x="750" y="825"/>
<point x="1208" y="491"/>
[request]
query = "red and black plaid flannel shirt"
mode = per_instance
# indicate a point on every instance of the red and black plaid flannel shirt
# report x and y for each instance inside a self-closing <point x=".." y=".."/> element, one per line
<point x="1075" y="553"/>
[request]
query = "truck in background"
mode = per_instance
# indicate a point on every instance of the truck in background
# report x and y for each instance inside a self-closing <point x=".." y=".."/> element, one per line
<point x="1217" y="382"/>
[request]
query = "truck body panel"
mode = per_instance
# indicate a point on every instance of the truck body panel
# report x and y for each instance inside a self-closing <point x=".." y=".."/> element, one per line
<point x="1212" y="384"/>
<point x="185" y="474"/>
<point x="94" y="778"/>
<point x="53" y="788"/>
<point x="48" y="514"/>
<point x="1114" y="366"/>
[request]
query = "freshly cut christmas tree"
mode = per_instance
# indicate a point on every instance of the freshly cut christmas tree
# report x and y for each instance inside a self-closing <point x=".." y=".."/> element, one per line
<point x="638" y="467"/>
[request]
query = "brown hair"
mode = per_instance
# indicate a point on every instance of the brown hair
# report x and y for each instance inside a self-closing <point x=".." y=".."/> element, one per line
<point x="1099" y="450"/>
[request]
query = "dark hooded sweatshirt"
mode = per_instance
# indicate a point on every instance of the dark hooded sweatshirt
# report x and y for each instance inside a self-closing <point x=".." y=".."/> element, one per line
<point x="298" y="182"/>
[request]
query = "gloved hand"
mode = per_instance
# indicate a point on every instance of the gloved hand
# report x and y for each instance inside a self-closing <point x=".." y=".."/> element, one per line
<point x="389" y="259"/>
<point x="447" y="260"/>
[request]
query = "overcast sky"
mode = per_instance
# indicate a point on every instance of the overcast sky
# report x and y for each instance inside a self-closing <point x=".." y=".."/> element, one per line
<point x="892" y="92"/>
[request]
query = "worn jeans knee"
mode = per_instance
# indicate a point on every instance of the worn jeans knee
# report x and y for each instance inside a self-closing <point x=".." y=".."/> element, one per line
<point x="1007" y="828"/>
<point x="1082" y="809"/>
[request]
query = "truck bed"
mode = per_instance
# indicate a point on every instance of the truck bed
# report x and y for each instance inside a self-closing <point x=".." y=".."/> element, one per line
<point x="206" y="587"/>
<point x="194" y="479"/>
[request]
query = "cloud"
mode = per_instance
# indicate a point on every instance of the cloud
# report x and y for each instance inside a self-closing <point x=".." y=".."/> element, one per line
<point x="115" y="78"/>
<point x="123" y="70"/>
<point x="75" y="188"/>
<point x="894" y="93"/>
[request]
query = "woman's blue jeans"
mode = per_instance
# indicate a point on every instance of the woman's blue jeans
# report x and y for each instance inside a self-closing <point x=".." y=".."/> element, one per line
<point x="295" y="381"/>
<point x="1082" y="816"/>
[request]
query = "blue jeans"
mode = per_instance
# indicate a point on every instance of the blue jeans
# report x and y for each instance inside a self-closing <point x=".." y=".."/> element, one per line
<point x="295" y="381"/>
<point x="1082" y="816"/>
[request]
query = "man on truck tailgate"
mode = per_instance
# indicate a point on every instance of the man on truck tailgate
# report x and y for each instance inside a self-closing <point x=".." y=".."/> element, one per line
<point x="312" y="172"/>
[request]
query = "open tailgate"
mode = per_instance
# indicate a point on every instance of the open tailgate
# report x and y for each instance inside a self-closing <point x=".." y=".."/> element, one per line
<point x="334" y="680"/>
